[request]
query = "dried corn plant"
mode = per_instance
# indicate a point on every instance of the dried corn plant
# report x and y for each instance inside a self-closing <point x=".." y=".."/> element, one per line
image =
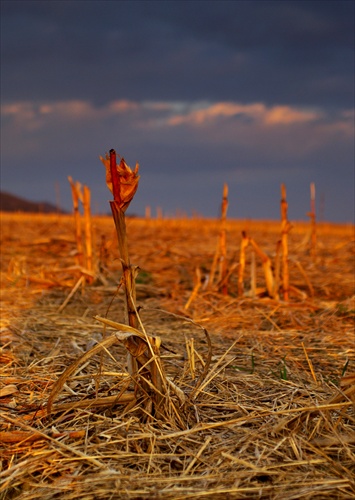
<point x="123" y="183"/>
<point x="84" y="253"/>
<point x="312" y="216"/>
<point x="147" y="387"/>
<point x="77" y="197"/>
<point x="220" y="256"/>
<point x="285" y="228"/>
<point x="242" y="262"/>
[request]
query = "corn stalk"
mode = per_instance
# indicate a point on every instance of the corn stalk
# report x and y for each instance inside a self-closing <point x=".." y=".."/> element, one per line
<point x="285" y="228"/>
<point x="77" y="196"/>
<point x="144" y="363"/>
<point x="312" y="215"/>
<point x="220" y="256"/>
<point x="242" y="261"/>
<point x="267" y="268"/>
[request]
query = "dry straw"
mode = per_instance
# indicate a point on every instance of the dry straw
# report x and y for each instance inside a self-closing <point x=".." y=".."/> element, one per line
<point x="270" y="413"/>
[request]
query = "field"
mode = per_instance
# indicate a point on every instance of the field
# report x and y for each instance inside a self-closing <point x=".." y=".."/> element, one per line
<point x="265" y="411"/>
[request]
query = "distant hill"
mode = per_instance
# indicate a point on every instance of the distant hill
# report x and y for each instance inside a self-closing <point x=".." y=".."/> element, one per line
<point x="12" y="203"/>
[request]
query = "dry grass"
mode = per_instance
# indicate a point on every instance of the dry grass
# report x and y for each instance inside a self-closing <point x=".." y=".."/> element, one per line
<point x="274" y="416"/>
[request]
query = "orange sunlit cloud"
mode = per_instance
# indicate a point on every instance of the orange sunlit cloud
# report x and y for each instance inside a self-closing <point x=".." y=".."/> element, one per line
<point x="251" y="119"/>
<point x="257" y="111"/>
<point x="288" y="115"/>
<point x="172" y="113"/>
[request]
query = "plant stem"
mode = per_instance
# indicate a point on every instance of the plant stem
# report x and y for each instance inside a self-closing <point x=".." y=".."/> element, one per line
<point x="75" y="189"/>
<point x="222" y="243"/>
<point x="128" y="272"/>
<point x="285" y="227"/>
<point x="115" y="178"/>
<point x="243" y="246"/>
<point x="312" y="215"/>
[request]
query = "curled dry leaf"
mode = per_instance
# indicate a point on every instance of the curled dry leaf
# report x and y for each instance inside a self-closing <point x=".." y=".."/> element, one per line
<point x="7" y="390"/>
<point x="128" y="180"/>
<point x="135" y="342"/>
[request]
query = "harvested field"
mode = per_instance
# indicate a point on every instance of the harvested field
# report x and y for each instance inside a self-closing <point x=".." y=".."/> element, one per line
<point x="269" y="415"/>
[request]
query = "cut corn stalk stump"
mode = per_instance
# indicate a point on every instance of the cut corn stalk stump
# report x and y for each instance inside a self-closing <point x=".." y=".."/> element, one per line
<point x="285" y="228"/>
<point x="220" y="257"/>
<point x="84" y="254"/>
<point x="242" y="260"/>
<point x="312" y="215"/>
<point x="276" y="277"/>
<point x="77" y="196"/>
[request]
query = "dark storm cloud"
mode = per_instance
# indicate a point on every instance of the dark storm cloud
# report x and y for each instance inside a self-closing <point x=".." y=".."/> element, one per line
<point x="253" y="93"/>
<point x="298" y="52"/>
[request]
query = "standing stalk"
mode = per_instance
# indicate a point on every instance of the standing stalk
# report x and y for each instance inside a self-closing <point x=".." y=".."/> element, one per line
<point x="123" y="191"/>
<point x="75" y="189"/>
<point x="243" y="246"/>
<point x="88" y="228"/>
<point x="278" y="264"/>
<point x="129" y="272"/>
<point x="144" y="363"/>
<point x="253" y="275"/>
<point x="221" y="250"/>
<point x="312" y="216"/>
<point x="285" y="227"/>
<point x="118" y="208"/>
<point x="223" y="243"/>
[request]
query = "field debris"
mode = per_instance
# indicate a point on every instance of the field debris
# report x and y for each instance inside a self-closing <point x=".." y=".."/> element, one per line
<point x="266" y="411"/>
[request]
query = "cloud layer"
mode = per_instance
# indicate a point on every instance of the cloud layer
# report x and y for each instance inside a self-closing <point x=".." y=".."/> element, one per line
<point x="199" y="93"/>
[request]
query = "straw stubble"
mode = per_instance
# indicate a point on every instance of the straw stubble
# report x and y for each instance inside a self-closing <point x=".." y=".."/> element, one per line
<point x="248" y="433"/>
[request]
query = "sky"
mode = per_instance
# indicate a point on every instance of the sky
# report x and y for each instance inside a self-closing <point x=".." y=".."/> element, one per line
<point x="199" y="93"/>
